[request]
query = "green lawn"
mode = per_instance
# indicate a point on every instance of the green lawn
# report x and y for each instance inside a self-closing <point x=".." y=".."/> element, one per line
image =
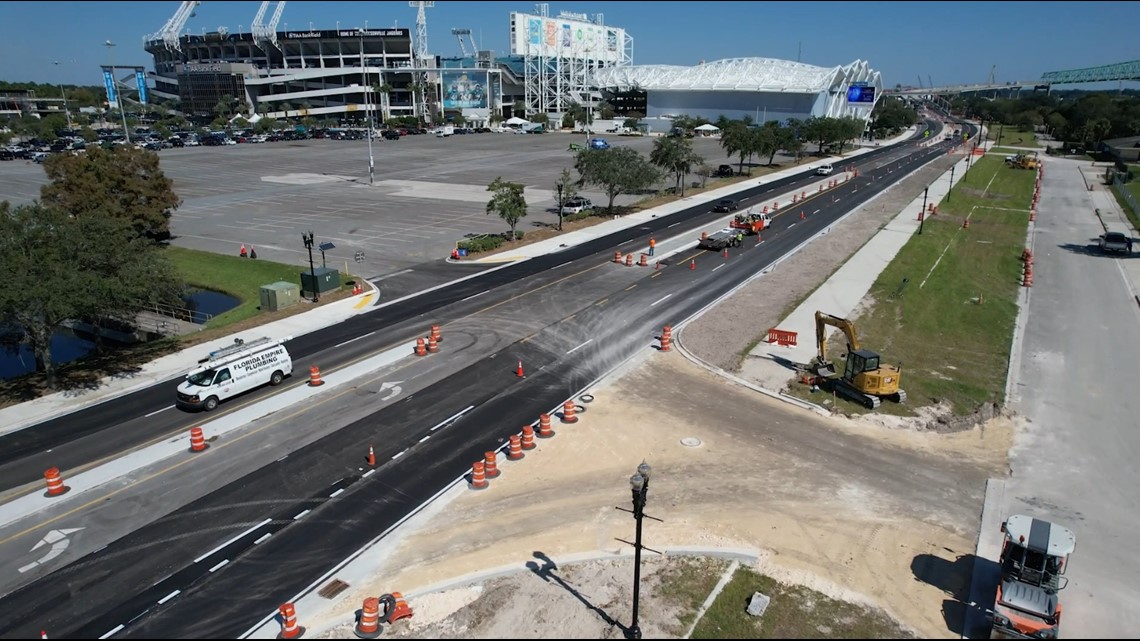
<point x="952" y="334"/>
<point x="1011" y="136"/>
<point x="795" y="612"/>
<point x="239" y="277"/>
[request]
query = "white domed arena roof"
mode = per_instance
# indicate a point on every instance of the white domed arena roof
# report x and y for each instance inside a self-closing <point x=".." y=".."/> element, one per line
<point x="737" y="74"/>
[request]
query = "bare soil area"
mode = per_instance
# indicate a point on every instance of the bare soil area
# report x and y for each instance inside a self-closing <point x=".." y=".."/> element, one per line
<point x="868" y="511"/>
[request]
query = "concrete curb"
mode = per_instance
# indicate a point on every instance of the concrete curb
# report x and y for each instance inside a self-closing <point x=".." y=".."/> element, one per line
<point x="986" y="551"/>
<point x="736" y="555"/>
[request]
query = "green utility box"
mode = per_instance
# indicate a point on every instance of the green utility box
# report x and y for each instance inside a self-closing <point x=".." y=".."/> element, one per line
<point x="279" y="295"/>
<point x="320" y="280"/>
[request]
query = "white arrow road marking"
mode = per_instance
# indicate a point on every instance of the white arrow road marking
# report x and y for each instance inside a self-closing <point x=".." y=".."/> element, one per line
<point x="395" y="387"/>
<point x="58" y="541"/>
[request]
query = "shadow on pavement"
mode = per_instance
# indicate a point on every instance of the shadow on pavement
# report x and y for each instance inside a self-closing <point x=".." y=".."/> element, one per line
<point x="964" y="614"/>
<point x="547" y="571"/>
<point x="1094" y="250"/>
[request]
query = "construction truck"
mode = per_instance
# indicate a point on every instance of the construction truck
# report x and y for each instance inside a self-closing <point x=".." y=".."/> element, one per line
<point x="751" y="222"/>
<point x="723" y="239"/>
<point x="1022" y="161"/>
<point x="864" y="380"/>
<point x="1034" y="557"/>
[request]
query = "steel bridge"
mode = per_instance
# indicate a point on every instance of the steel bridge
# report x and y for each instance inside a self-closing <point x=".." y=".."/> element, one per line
<point x="1120" y="72"/>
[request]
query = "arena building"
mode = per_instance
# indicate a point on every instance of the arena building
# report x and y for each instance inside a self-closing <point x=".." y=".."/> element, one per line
<point x="761" y="88"/>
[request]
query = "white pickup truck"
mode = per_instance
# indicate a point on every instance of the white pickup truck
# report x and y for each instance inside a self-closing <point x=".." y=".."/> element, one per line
<point x="824" y="170"/>
<point x="1115" y="241"/>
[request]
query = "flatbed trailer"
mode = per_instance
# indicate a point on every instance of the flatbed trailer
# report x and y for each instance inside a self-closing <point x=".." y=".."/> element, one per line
<point x="727" y="237"/>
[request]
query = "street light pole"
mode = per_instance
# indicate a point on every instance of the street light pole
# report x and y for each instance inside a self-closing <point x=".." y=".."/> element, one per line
<point x="922" y="212"/>
<point x="951" y="188"/>
<point x="118" y="94"/>
<point x="62" y="93"/>
<point x="367" y="110"/>
<point x="308" y="238"/>
<point x="639" y="485"/>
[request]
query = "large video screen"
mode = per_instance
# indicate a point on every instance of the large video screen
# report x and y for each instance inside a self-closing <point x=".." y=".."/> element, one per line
<point x="464" y="89"/>
<point x="565" y="38"/>
<point x="858" y="93"/>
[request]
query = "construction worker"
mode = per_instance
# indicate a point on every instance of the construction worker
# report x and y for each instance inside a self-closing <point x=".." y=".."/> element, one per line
<point x="652" y="245"/>
<point x="739" y="238"/>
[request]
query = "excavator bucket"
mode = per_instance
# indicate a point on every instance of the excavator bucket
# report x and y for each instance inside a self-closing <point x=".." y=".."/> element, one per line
<point x="825" y="369"/>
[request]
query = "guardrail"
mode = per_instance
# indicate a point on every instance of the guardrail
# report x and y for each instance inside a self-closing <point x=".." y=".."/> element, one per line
<point x="180" y="313"/>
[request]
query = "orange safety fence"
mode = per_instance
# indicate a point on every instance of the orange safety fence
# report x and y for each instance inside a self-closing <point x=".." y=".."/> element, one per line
<point x="781" y="337"/>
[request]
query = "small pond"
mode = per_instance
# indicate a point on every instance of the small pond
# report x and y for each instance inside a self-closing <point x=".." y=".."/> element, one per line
<point x="206" y="303"/>
<point x="66" y="346"/>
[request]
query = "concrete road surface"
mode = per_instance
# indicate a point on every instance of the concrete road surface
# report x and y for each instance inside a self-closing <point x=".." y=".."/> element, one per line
<point x="1075" y="462"/>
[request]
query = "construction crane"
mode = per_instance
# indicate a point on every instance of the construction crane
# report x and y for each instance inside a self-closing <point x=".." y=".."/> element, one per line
<point x="169" y="32"/>
<point x="459" y="33"/>
<point x="421" y="53"/>
<point x="266" y="33"/>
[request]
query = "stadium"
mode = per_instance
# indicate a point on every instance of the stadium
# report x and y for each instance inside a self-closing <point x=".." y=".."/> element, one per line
<point x="554" y="63"/>
<point x="761" y="88"/>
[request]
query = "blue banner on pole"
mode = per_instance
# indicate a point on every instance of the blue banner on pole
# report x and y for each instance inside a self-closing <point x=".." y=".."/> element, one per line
<point x="109" y="83"/>
<point x="140" y="80"/>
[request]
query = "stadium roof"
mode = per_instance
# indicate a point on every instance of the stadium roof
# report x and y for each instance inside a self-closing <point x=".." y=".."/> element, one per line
<point x="736" y="74"/>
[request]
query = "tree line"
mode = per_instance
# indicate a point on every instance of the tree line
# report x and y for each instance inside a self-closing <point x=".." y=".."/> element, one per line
<point x="1087" y="118"/>
<point x="89" y="250"/>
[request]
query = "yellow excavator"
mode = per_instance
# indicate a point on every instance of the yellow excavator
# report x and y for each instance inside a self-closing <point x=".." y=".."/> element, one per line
<point x="865" y="380"/>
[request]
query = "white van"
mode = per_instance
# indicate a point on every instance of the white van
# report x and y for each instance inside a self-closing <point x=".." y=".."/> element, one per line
<point x="233" y="370"/>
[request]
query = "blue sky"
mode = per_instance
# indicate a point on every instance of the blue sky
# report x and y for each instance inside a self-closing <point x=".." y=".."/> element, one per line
<point x="950" y="42"/>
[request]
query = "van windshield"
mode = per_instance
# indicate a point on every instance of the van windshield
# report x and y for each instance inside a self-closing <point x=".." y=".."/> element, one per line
<point x="202" y="379"/>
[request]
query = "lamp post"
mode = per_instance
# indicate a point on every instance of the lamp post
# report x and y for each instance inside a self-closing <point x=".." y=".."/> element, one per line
<point x="367" y="110"/>
<point x="1001" y="128"/>
<point x="639" y="485"/>
<point x="118" y="94"/>
<point x="307" y="237"/>
<point x="951" y="187"/>
<point x="922" y="212"/>
<point x="63" y="94"/>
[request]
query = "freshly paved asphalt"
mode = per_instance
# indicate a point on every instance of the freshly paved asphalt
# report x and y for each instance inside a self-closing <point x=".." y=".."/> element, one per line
<point x="106" y="588"/>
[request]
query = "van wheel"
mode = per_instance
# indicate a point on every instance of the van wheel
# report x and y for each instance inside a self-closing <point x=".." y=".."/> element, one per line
<point x="276" y="378"/>
<point x="211" y="403"/>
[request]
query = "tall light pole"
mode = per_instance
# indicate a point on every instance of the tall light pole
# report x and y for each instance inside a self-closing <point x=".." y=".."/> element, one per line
<point x="639" y="485"/>
<point x="118" y="94"/>
<point x="308" y="238"/>
<point x="922" y="212"/>
<point x="951" y="188"/>
<point x="62" y="93"/>
<point x="367" y="110"/>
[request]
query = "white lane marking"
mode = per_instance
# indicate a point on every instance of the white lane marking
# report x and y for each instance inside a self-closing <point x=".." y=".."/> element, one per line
<point x="661" y="301"/>
<point x="263" y="537"/>
<point x="169" y="597"/>
<point x="251" y="529"/>
<point x="816" y="211"/>
<point x="169" y="407"/>
<point x="336" y="493"/>
<point x="475" y="295"/>
<point x="425" y="438"/>
<point x="452" y="418"/>
<point x="673" y="225"/>
<point x="628" y="242"/>
<point x="560" y="265"/>
<point x="398" y="455"/>
<point x="282" y="458"/>
<point x="353" y="340"/>
<point x="112" y="632"/>
<point x="580" y="346"/>
<point x="386" y="277"/>
<point x="219" y="565"/>
<point x="301" y="515"/>
<point x="719" y="266"/>
<point x="368" y="473"/>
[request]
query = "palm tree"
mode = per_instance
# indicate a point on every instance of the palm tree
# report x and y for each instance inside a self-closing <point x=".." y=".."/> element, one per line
<point x="385" y="90"/>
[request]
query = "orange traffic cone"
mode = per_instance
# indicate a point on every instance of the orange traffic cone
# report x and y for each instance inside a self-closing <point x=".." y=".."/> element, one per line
<point x="693" y="264"/>
<point x="243" y="253"/>
<point x="371" y="457"/>
<point x="519" y="373"/>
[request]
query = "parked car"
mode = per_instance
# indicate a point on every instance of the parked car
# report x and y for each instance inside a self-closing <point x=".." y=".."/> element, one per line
<point x="723" y="171"/>
<point x="726" y="204"/>
<point x="1115" y="241"/>
<point x="599" y="143"/>
<point x="391" y="134"/>
<point x="576" y="205"/>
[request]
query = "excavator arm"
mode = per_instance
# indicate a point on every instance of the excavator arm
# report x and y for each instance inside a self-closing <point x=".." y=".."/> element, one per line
<point x="822" y="321"/>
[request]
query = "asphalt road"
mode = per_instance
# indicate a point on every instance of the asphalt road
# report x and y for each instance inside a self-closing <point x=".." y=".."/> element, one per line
<point x="107" y="429"/>
<point x="1075" y="462"/>
<point x="570" y="326"/>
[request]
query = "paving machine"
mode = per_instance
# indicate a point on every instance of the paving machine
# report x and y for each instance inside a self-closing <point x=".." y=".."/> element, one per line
<point x="865" y="380"/>
<point x="1034" y="557"/>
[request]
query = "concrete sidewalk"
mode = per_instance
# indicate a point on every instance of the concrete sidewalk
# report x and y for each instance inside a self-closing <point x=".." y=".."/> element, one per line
<point x="774" y="365"/>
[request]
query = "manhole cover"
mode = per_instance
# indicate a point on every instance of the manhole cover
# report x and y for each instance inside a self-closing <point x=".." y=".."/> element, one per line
<point x="691" y="441"/>
<point x="586" y="398"/>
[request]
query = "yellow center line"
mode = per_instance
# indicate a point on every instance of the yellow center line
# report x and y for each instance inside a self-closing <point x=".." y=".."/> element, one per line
<point x="631" y="287"/>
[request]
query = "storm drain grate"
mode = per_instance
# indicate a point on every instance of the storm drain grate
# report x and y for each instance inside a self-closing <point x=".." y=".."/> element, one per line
<point x="334" y="587"/>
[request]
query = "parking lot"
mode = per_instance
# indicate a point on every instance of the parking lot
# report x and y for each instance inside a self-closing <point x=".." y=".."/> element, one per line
<point x="428" y="193"/>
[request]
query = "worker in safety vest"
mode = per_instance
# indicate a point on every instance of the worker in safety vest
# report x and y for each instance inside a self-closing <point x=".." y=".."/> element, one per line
<point x="739" y="238"/>
<point x="652" y="245"/>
